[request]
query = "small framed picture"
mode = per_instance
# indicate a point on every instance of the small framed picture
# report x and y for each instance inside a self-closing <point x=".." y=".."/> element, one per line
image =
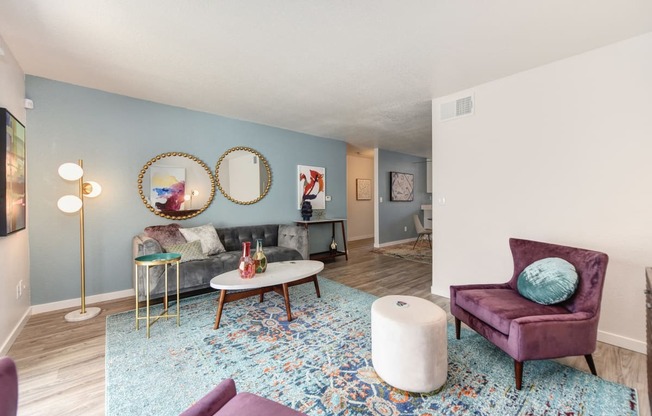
<point x="402" y="186"/>
<point x="363" y="189"/>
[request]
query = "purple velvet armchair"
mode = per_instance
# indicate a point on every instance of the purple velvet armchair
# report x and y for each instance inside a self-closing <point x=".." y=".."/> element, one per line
<point x="224" y="401"/>
<point x="8" y="387"/>
<point x="527" y="330"/>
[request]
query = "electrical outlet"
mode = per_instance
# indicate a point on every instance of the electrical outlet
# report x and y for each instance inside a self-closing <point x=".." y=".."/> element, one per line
<point x="405" y="228"/>
<point x="328" y="198"/>
<point x="20" y="288"/>
<point x="18" y="291"/>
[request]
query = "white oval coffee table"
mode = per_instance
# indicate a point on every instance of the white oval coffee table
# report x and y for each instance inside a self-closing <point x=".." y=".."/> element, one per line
<point x="278" y="277"/>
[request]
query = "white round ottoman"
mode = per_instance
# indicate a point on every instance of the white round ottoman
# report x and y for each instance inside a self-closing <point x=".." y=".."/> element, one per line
<point x="409" y="345"/>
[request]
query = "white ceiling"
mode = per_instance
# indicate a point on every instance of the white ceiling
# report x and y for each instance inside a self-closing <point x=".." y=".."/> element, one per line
<point x="362" y="71"/>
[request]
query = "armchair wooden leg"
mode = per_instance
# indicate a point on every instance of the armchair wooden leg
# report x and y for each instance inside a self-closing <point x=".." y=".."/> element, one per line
<point x="518" y="373"/>
<point x="589" y="361"/>
<point x="458" y="324"/>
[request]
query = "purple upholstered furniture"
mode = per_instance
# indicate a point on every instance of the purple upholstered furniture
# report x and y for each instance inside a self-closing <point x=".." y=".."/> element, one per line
<point x="224" y="401"/>
<point x="8" y="387"/>
<point x="530" y="331"/>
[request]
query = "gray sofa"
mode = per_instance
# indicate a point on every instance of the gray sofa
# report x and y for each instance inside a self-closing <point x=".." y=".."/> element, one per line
<point x="281" y="242"/>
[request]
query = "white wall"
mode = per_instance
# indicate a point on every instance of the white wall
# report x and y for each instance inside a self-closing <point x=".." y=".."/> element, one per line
<point x="360" y="222"/>
<point x="560" y="153"/>
<point x="14" y="254"/>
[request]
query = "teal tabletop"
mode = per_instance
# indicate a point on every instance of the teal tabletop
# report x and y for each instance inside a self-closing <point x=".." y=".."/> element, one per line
<point x="158" y="258"/>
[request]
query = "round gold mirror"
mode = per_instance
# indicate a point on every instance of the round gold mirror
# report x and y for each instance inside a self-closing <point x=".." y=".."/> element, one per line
<point x="243" y="175"/>
<point x="176" y="185"/>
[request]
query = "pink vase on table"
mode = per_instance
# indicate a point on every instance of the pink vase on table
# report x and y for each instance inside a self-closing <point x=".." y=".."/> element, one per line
<point x="247" y="266"/>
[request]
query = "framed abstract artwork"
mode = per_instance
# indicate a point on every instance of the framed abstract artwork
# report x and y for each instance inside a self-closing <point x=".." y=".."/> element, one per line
<point x="312" y="186"/>
<point x="363" y="189"/>
<point x="12" y="183"/>
<point x="168" y="188"/>
<point x="402" y="186"/>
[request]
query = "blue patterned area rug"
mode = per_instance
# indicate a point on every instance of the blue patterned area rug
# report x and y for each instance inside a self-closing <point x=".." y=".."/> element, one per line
<point x="320" y="363"/>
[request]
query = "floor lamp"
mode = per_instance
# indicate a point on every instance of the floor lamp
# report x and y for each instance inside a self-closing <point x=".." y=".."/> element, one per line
<point x="189" y="196"/>
<point x="71" y="204"/>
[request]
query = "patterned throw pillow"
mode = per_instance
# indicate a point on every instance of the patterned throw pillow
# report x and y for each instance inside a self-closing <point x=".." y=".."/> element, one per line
<point x="548" y="281"/>
<point x="166" y="235"/>
<point x="188" y="251"/>
<point x="207" y="235"/>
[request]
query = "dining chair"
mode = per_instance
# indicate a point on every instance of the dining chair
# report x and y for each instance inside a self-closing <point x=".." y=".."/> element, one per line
<point x="423" y="233"/>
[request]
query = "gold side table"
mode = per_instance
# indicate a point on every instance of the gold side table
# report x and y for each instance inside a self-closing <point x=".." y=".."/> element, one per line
<point x="148" y="261"/>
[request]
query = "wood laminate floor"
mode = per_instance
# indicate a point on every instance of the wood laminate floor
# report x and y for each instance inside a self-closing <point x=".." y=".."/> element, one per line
<point x="61" y="364"/>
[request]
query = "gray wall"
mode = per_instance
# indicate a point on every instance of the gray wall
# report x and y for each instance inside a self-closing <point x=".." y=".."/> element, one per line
<point x="115" y="136"/>
<point x="14" y="248"/>
<point x="394" y="216"/>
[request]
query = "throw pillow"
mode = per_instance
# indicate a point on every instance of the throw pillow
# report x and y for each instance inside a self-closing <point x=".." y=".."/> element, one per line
<point x="166" y="235"/>
<point x="207" y="235"/>
<point x="548" y="281"/>
<point x="188" y="251"/>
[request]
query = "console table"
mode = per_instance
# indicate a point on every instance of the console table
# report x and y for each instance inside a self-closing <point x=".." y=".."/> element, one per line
<point x="328" y="254"/>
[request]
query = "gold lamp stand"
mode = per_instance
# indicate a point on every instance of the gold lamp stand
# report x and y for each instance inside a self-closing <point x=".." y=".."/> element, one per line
<point x="71" y="204"/>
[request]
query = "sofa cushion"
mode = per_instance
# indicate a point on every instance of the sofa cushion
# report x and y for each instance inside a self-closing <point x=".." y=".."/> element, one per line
<point x="548" y="281"/>
<point x="277" y="253"/>
<point x="498" y="307"/>
<point x="207" y="235"/>
<point x="233" y="237"/>
<point x="248" y="404"/>
<point x="189" y="251"/>
<point x="213" y="401"/>
<point x="166" y="235"/>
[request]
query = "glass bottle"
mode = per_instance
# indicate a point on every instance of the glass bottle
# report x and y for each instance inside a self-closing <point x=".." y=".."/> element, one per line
<point x="259" y="257"/>
<point x="247" y="267"/>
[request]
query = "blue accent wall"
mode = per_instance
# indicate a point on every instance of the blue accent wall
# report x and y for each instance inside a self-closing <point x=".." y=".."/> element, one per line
<point x="115" y="136"/>
<point x="393" y="215"/>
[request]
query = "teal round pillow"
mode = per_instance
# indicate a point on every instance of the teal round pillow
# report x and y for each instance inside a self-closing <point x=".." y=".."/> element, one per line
<point x="548" y="281"/>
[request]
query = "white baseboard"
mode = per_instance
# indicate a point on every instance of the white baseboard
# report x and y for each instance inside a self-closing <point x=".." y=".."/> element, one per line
<point x="4" y="349"/>
<point x="71" y="303"/>
<point x="393" y="243"/>
<point x="360" y="237"/>
<point x="434" y="291"/>
<point x="622" y="342"/>
<point x="603" y="336"/>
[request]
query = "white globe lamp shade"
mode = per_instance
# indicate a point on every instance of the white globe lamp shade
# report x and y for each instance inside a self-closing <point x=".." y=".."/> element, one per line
<point x="69" y="203"/>
<point x="71" y="171"/>
<point x="96" y="189"/>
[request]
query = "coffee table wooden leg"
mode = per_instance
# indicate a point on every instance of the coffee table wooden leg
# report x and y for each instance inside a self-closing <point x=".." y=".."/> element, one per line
<point x="220" y="306"/>
<point x="262" y="294"/>
<point x="286" y="295"/>
<point x="314" y="279"/>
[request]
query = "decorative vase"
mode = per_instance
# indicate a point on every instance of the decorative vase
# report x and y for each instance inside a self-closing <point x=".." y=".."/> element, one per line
<point x="306" y="210"/>
<point x="247" y="266"/>
<point x="259" y="257"/>
<point x="333" y="246"/>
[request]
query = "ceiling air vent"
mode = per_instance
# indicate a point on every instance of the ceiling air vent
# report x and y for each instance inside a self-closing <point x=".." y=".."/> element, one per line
<point x="455" y="109"/>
